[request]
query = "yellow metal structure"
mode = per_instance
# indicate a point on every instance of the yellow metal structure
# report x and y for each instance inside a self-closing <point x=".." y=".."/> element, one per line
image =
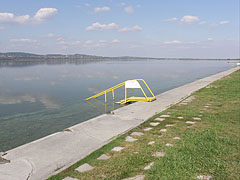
<point x="126" y="99"/>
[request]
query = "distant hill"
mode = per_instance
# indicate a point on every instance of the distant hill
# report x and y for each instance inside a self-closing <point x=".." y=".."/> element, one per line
<point x="30" y="57"/>
<point x="22" y="56"/>
<point x="18" y="54"/>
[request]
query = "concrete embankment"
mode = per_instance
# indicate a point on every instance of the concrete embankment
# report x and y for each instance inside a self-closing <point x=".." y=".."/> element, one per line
<point x="42" y="158"/>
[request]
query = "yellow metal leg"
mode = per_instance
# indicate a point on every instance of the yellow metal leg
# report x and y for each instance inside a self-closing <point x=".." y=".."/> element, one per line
<point x="125" y="95"/>
<point x="133" y="92"/>
<point x="105" y="97"/>
<point x="144" y="93"/>
<point x="113" y="94"/>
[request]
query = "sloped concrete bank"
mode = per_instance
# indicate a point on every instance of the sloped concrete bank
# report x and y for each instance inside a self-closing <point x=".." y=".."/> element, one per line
<point x="41" y="158"/>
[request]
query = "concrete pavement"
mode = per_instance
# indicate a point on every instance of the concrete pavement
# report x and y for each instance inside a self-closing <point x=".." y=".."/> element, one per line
<point x="49" y="155"/>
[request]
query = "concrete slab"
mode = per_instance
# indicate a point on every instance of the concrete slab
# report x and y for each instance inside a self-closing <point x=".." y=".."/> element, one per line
<point x="151" y="143"/>
<point x="69" y="178"/>
<point x="197" y="118"/>
<point x="147" y="129"/>
<point x="149" y="166"/>
<point x="39" y="159"/>
<point x="154" y="123"/>
<point x="170" y="125"/>
<point x="190" y="122"/>
<point x="159" y="119"/>
<point x="163" y="130"/>
<point x="176" y="138"/>
<point x="130" y="139"/>
<point x="85" y="167"/>
<point x="118" y="148"/>
<point x="183" y="103"/>
<point x="138" y="177"/>
<point x="165" y="116"/>
<point x="203" y="177"/>
<point x="103" y="157"/>
<point x="136" y="134"/>
<point x="159" y="154"/>
<point x="22" y="167"/>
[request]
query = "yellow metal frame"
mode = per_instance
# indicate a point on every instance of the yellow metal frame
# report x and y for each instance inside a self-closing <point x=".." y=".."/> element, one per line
<point x="126" y="99"/>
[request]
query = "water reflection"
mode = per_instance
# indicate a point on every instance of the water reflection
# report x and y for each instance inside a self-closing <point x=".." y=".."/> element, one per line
<point x="18" y="99"/>
<point x="99" y="105"/>
<point x="39" y="100"/>
<point x="32" y="62"/>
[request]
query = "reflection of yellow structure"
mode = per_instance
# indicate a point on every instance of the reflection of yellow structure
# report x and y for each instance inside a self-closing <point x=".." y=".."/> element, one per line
<point x="130" y="84"/>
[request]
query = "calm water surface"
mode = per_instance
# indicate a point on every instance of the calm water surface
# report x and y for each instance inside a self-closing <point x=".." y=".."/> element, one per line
<point x="36" y="101"/>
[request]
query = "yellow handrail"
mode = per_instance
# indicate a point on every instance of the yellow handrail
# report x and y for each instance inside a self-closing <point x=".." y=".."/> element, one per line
<point x="125" y="99"/>
<point x="108" y="90"/>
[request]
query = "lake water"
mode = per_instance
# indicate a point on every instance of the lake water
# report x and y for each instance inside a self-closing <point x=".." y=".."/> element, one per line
<point x="36" y="101"/>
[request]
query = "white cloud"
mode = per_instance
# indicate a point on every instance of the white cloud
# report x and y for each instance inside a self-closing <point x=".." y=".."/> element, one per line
<point x="99" y="9"/>
<point x="62" y="42"/>
<point x="86" y="4"/>
<point x="202" y="22"/>
<point x="213" y="25"/>
<point x="41" y="15"/>
<point x="23" y="40"/>
<point x="1" y="27"/>
<point x="210" y="39"/>
<point x="50" y="35"/>
<point x="115" y="41"/>
<point x="223" y="22"/>
<point x="189" y="19"/>
<point x="98" y="26"/>
<point x="102" y="41"/>
<point x="11" y="18"/>
<point x="133" y="28"/>
<point x="112" y="26"/>
<point x="88" y="42"/>
<point x="171" y="19"/>
<point x="172" y="42"/>
<point x="44" y="14"/>
<point x="122" y="4"/>
<point x="129" y="9"/>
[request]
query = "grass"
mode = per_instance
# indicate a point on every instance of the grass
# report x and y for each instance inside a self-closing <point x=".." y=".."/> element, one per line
<point x="209" y="147"/>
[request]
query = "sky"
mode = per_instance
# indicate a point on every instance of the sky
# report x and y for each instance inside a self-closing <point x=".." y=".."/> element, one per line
<point x="143" y="28"/>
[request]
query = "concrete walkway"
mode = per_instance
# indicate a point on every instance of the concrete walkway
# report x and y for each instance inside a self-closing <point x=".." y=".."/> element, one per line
<point x="49" y="155"/>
